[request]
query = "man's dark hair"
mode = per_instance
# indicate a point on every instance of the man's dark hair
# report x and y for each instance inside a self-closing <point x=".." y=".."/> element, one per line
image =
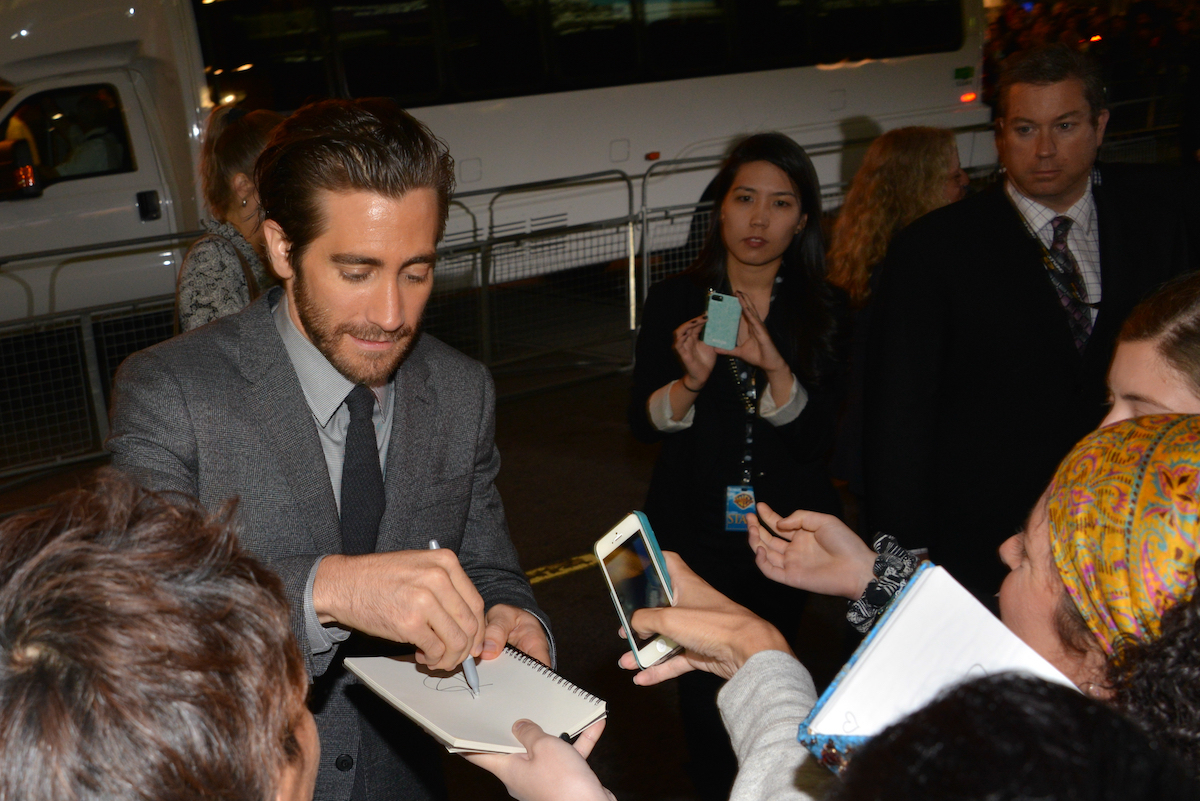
<point x="1049" y="64"/>
<point x="369" y="145"/>
<point x="1014" y="738"/>
<point x="143" y="655"/>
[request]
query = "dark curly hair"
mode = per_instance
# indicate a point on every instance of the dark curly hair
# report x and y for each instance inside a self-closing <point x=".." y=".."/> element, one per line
<point x="1157" y="682"/>
<point x="1014" y="738"/>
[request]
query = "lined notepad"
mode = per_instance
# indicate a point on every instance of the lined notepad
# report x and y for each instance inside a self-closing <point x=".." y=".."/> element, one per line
<point x="934" y="636"/>
<point x="512" y="686"/>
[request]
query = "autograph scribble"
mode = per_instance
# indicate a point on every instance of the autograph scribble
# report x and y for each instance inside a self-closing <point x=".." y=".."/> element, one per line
<point x="449" y="684"/>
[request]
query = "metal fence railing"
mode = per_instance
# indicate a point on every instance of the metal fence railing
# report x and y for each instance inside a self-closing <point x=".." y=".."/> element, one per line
<point x="56" y="378"/>
<point x="504" y="299"/>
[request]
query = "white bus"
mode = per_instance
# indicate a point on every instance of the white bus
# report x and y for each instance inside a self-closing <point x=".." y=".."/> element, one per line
<point x="533" y="90"/>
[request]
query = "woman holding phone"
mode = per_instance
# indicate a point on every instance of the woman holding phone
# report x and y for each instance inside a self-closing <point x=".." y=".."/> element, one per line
<point x="751" y="423"/>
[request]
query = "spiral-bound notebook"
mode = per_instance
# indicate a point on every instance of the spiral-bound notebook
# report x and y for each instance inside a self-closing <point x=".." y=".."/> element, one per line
<point x="511" y="687"/>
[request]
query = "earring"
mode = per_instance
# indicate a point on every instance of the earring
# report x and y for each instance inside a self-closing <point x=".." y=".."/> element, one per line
<point x="243" y="203"/>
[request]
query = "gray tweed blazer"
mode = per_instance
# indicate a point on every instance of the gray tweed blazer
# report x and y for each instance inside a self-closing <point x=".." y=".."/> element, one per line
<point x="218" y="413"/>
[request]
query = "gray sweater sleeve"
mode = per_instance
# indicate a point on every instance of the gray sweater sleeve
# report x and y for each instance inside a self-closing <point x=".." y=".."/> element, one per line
<point x="211" y="284"/>
<point x="762" y="706"/>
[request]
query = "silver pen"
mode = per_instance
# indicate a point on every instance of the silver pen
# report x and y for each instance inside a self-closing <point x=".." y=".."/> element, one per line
<point x="468" y="665"/>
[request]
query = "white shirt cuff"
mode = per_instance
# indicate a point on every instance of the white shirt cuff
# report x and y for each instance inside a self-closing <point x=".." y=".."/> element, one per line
<point x="320" y="638"/>
<point x="782" y="415"/>
<point x="659" y="407"/>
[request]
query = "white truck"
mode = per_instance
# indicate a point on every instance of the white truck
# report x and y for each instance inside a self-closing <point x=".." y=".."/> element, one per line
<point x="107" y="98"/>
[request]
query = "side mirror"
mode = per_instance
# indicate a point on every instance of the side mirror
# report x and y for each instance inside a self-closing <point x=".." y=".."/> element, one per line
<point x="18" y="176"/>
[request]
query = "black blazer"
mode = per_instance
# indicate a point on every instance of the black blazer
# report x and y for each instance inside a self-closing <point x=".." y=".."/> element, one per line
<point x="974" y="388"/>
<point x="686" y="500"/>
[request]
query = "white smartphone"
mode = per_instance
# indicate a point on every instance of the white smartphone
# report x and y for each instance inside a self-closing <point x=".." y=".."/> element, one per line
<point x="637" y="578"/>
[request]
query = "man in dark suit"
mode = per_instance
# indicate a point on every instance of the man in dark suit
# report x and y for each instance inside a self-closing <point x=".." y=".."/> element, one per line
<point x="351" y="441"/>
<point x="996" y="317"/>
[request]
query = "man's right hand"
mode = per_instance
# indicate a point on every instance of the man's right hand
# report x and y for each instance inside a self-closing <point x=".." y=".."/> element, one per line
<point x="418" y="597"/>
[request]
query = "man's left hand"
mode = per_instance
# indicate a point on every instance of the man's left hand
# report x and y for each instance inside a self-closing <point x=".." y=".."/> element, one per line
<point x="510" y="625"/>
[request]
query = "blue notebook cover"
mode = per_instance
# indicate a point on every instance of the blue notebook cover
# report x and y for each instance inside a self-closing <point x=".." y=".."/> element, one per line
<point x="933" y="636"/>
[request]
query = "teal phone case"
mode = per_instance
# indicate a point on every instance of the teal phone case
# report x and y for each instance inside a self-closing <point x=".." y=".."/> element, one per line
<point x="650" y="538"/>
<point x="724" y="315"/>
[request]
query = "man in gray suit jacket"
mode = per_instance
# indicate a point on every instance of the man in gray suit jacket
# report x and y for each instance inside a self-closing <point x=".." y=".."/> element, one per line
<point x="260" y="406"/>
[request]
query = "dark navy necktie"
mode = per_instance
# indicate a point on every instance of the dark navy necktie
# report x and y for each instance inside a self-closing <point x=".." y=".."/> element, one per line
<point x="1072" y="292"/>
<point x="362" y="479"/>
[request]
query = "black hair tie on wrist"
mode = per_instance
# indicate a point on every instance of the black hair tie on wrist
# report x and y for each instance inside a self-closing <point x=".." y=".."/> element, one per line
<point x="689" y="389"/>
<point x="893" y="568"/>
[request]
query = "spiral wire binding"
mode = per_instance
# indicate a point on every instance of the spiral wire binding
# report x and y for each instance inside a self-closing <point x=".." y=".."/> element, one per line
<point x="537" y="665"/>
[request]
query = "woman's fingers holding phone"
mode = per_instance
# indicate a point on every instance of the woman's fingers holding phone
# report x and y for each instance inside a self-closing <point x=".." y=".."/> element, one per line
<point x="666" y="670"/>
<point x="697" y="358"/>
<point x="688" y="588"/>
<point x="754" y="341"/>
<point x="718" y="638"/>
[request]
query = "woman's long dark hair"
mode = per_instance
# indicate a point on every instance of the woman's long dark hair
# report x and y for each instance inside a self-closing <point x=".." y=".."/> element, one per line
<point x="801" y="320"/>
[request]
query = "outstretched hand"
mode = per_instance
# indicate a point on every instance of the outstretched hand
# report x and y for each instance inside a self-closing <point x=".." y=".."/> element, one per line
<point x="550" y="768"/>
<point x="813" y="551"/>
<point x="717" y="634"/>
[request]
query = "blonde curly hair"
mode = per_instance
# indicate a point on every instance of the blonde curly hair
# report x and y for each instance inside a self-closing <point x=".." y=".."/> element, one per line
<point x="902" y="177"/>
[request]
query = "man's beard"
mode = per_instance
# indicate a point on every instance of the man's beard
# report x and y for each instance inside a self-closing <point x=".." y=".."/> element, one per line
<point x="373" y="370"/>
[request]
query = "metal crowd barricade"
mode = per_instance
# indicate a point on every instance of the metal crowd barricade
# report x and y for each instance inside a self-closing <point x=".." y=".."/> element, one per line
<point x="56" y="376"/>
<point x="56" y="369"/>
<point x="552" y="288"/>
<point x="554" y="297"/>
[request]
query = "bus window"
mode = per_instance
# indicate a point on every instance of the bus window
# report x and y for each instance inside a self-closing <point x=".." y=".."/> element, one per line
<point x="685" y="39"/>
<point x="281" y="53"/>
<point x="593" y="43"/>
<point x="388" y="50"/>
<point x="73" y="133"/>
<point x="272" y="57"/>
<point x="858" y="29"/>
<point x="494" y="48"/>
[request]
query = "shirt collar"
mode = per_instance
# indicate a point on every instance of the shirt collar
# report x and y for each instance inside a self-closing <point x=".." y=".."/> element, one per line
<point x="324" y="387"/>
<point x="1082" y="211"/>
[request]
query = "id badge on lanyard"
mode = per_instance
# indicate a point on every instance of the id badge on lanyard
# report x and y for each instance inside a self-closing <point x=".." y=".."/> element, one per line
<point x="739" y="499"/>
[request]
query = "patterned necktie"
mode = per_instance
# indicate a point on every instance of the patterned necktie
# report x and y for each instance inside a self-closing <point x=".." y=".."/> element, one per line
<point x="362" y="479"/>
<point x="1067" y="280"/>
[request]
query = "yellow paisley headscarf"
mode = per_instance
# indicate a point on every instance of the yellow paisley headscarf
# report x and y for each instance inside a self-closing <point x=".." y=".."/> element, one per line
<point x="1124" y="523"/>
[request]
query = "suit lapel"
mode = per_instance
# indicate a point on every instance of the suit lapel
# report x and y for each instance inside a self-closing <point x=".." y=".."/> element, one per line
<point x="1028" y="254"/>
<point x="410" y="451"/>
<point x="286" y="422"/>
